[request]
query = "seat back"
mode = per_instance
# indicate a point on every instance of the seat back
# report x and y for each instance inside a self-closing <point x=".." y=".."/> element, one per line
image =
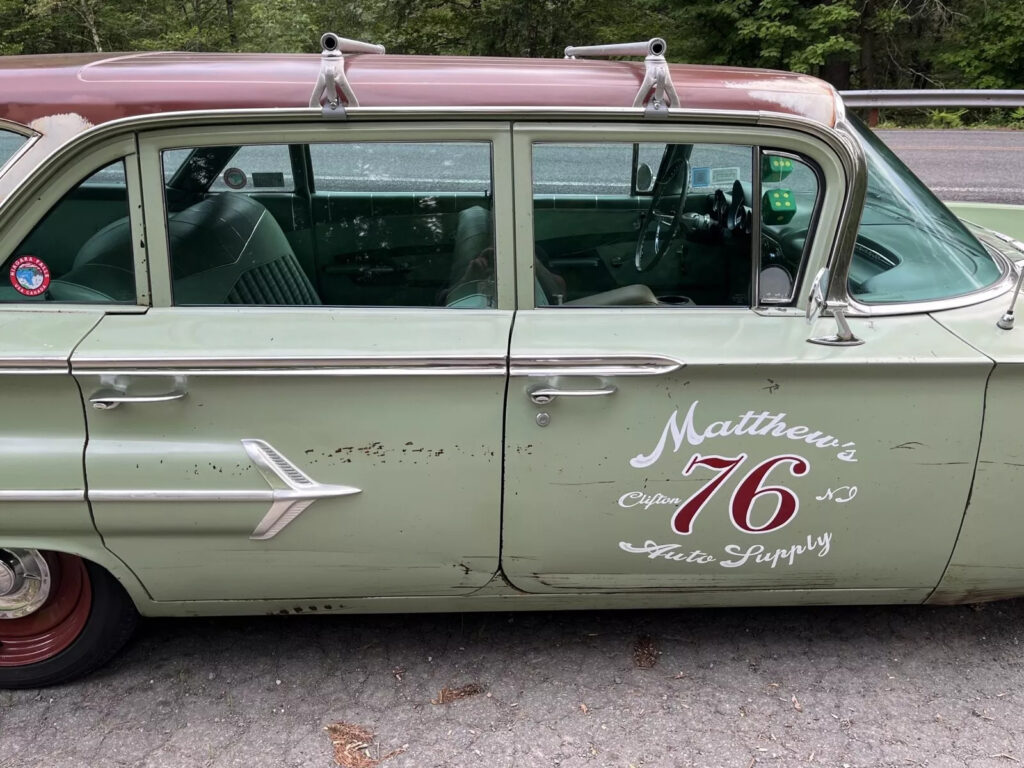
<point x="102" y="270"/>
<point x="472" y="238"/>
<point x="228" y="249"/>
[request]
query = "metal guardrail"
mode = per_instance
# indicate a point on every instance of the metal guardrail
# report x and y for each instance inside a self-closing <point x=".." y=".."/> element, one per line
<point x="934" y="97"/>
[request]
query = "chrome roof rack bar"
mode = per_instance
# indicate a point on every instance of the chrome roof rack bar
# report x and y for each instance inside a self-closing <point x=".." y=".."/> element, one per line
<point x="332" y="74"/>
<point x="657" y="91"/>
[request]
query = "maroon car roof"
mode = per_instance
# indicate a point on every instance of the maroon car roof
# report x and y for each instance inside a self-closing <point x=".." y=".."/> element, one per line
<point x="102" y="87"/>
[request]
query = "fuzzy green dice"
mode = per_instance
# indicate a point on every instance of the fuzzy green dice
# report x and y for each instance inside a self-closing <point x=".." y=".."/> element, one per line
<point x="775" y="167"/>
<point x="777" y="206"/>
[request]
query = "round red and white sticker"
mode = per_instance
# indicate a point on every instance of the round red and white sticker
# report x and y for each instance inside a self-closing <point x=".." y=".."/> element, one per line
<point x="29" y="275"/>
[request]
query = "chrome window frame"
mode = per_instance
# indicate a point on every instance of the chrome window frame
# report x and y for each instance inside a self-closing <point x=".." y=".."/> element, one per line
<point x="750" y="130"/>
<point x="36" y="195"/>
<point x="31" y="136"/>
<point x="272" y="130"/>
<point x="812" y="229"/>
<point x="838" y="293"/>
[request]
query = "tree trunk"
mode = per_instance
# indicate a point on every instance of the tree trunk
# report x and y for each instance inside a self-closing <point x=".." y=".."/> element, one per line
<point x="89" y="18"/>
<point x="837" y="71"/>
<point x="867" y="61"/>
<point x="229" y="6"/>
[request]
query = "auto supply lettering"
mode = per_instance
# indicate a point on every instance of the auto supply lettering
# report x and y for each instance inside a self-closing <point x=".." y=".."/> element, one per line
<point x="736" y="555"/>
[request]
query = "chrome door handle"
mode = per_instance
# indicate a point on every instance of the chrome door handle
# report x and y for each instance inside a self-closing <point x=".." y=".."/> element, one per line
<point x="544" y="395"/>
<point x="108" y="400"/>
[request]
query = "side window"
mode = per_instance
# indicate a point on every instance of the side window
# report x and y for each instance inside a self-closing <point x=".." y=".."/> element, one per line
<point x="81" y="250"/>
<point x="791" y="191"/>
<point x="391" y="224"/>
<point x="10" y="142"/>
<point x="666" y="225"/>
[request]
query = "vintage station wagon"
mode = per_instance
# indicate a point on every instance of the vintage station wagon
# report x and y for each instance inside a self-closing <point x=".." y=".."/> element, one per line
<point x="369" y="333"/>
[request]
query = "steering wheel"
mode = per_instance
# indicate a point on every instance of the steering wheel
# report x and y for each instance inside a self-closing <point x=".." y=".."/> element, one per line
<point x="664" y="215"/>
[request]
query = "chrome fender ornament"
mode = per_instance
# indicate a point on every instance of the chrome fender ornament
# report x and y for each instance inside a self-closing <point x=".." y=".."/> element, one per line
<point x="293" y="490"/>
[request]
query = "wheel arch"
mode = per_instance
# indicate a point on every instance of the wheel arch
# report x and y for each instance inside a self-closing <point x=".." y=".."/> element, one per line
<point x="91" y="551"/>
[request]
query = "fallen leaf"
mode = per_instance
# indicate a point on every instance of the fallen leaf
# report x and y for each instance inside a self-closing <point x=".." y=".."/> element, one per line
<point x="584" y="708"/>
<point x="352" y="745"/>
<point x="645" y="652"/>
<point x="796" y="704"/>
<point x="448" y="695"/>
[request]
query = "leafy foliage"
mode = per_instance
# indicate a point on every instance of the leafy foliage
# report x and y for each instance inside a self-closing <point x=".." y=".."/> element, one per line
<point x="852" y="43"/>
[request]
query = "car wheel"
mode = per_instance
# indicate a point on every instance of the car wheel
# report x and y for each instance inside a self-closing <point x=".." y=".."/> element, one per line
<point x="60" y="617"/>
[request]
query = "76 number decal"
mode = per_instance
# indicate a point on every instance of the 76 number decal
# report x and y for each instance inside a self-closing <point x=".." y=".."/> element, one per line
<point x="746" y="492"/>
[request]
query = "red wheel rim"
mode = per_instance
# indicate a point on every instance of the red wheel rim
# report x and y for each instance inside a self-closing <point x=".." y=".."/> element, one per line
<point x="48" y="631"/>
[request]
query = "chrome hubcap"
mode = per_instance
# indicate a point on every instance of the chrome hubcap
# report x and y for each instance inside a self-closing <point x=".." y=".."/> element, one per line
<point x="24" y="582"/>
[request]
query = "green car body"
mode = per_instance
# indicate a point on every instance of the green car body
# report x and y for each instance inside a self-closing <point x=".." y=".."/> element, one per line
<point x="508" y="447"/>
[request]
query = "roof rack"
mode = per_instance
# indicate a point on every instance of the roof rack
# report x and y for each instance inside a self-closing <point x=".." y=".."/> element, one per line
<point x="332" y="74"/>
<point x="656" y="90"/>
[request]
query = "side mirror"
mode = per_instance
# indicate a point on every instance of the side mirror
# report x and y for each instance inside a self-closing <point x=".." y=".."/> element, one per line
<point x="644" y="178"/>
<point x="817" y="304"/>
<point x="816" y="298"/>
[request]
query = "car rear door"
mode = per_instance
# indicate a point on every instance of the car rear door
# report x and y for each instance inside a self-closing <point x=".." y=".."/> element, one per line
<point x="250" y="440"/>
<point x="44" y="316"/>
<point x="705" y="444"/>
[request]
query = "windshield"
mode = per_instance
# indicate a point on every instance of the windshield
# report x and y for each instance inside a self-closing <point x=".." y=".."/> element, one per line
<point x="909" y="246"/>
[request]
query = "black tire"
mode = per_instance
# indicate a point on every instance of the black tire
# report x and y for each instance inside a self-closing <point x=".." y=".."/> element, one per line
<point x="111" y="622"/>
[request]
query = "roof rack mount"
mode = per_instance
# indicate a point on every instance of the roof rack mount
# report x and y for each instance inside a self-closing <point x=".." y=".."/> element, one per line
<point x="332" y="74"/>
<point x="657" y="90"/>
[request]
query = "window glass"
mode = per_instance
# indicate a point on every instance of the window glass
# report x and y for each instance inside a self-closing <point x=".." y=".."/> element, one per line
<point x="683" y="238"/>
<point x="112" y="176"/>
<point x="392" y="224"/>
<point x="10" y="142"/>
<point x="173" y="159"/>
<point x="790" y="190"/>
<point x="81" y="251"/>
<point x="909" y="246"/>
<point x="384" y="166"/>
<point x="258" y="168"/>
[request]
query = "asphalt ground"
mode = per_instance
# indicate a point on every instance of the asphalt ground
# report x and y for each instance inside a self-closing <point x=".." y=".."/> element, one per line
<point x="878" y="686"/>
<point x="979" y="166"/>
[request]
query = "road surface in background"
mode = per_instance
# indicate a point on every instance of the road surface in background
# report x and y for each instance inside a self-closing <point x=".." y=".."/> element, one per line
<point x="835" y="687"/>
<point x="979" y="166"/>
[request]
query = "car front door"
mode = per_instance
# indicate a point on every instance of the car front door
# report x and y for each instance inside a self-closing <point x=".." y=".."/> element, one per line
<point x="700" y="442"/>
<point x="251" y="438"/>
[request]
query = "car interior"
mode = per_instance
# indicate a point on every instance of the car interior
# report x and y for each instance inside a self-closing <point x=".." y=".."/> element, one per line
<point x="678" y="234"/>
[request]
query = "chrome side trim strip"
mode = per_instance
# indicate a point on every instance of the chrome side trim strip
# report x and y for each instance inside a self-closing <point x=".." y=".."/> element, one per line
<point x="41" y="364"/>
<point x="31" y="371"/>
<point x="13" y="495"/>
<point x="297" y="371"/>
<point x="320" y="491"/>
<point x="297" y="366"/>
<point x="586" y="365"/>
<point x="180" y="495"/>
<point x="291" y="491"/>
